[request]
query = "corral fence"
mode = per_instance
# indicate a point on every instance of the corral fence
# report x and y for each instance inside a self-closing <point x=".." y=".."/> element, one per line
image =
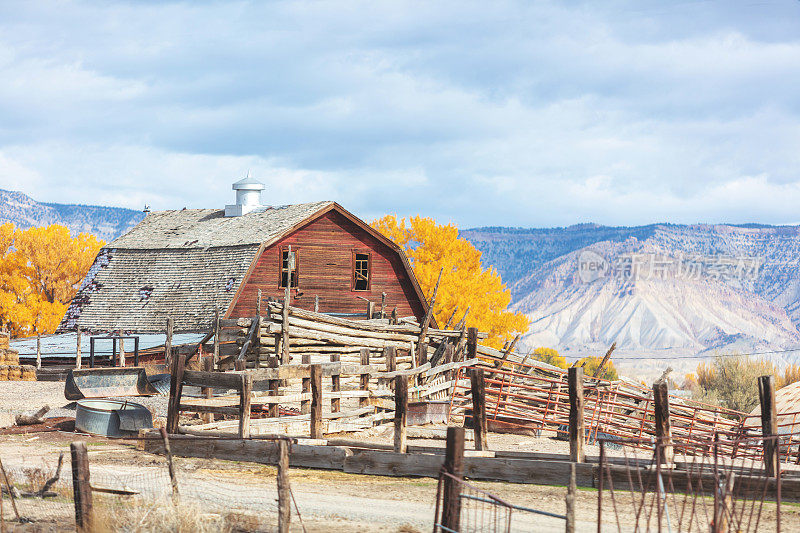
<point x="71" y="492"/>
<point x="534" y="396"/>
<point x="701" y="490"/>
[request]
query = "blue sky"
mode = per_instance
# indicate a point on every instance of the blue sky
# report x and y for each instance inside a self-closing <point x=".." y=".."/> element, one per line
<point x="484" y="113"/>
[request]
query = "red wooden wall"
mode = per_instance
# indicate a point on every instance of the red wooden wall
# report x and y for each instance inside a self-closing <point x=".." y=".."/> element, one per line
<point x="324" y="251"/>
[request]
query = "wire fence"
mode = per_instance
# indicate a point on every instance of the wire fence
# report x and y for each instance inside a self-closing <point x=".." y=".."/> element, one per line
<point x="701" y="490"/>
<point x="138" y="497"/>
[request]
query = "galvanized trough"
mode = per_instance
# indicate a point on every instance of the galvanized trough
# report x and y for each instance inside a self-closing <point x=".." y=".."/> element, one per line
<point x="111" y="418"/>
<point x="107" y="383"/>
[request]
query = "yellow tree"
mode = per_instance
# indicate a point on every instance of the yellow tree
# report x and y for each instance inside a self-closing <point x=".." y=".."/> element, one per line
<point x="465" y="282"/>
<point x="550" y="356"/>
<point x="39" y="271"/>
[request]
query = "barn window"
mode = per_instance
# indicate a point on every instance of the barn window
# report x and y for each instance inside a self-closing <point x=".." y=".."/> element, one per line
<point x="361" y="272"/>
<point x="288" y="268"/>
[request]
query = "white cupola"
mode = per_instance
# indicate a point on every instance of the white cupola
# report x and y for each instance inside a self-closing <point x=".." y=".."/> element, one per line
<point x="248" y="197"/>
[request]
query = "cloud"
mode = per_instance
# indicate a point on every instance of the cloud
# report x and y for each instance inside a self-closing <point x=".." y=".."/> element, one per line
<point x="507" y="113"/>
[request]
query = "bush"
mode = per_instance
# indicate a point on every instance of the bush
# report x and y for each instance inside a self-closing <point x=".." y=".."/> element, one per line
<point x="590" y="365"/>
<point x="731" y="382"/>
<point x="549" y="356"/>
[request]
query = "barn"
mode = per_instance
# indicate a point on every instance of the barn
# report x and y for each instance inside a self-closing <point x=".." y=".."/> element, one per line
<point x="189" y="263"/>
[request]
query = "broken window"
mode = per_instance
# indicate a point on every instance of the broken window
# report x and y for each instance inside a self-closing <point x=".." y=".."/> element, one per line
<point x="288" y="268"/>
<point x="361" y="274"/>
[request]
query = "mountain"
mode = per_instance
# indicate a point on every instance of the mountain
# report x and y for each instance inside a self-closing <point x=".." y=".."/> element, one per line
<point x="106" y="223"/>
<point x="662" y="289"/>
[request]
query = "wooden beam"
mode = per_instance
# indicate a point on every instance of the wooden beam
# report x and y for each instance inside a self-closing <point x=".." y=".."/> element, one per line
<point x="168" y="343"/>
<point x="175" y="392"/>
<point x="577" y="434"/>
<point x="400" y="410"/>
<point x="472" y="343"/>
<point x="78" y="351"/>
<point x="606" y="357"/>
<point x="478" y="407"/>
<point x="421" y="346"/>
<point x="769" y="424"/>
<point x="316" y="402"/>
<point x="336" y="386"/>
<point x="305" y="405"/>
<point x="244" y="405"/>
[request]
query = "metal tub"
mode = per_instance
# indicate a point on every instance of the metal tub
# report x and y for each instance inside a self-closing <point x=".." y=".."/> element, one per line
<point x="112" y="418"/>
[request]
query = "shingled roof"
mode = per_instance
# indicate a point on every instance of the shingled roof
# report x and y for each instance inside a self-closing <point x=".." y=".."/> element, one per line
<point x="181" y="264"/>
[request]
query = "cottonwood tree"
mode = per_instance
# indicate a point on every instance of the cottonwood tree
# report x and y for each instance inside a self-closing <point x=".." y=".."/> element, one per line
<point x="39" y="272"/>
<point x="465" y="282"/>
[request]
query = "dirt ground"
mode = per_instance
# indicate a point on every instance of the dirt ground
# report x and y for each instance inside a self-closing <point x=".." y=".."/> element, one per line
<point x="327" y="500"/>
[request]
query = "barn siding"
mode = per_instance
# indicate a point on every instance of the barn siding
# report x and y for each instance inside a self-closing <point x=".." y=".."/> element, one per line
<point x="324" y="255"/>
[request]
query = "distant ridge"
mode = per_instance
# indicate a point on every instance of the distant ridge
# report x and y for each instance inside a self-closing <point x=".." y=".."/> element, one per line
<point x="106" y="223"/>
<point x="665" y="288"/>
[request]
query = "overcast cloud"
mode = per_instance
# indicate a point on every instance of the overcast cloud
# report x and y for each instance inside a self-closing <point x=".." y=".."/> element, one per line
<point x="485" y="113"/>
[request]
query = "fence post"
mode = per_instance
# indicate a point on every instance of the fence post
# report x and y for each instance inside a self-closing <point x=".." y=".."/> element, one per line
<point x="168" y="344"/>
<point x="38" y="351"/>
<point x="284" y="494"/>
<point x="364" y="379"/>
<point x="400" y="410"/>
<point x="208" y="392"/>
<point x="663" y="429"/>
<point x="175" y="392"/>
<point x="305" y="405"/>
<point x="170" y="466"/>
<point x="81" y="489"/>
<point x="769" y="423"/>
<point x="478" y="407"/>
<point x="570" y="499"/>
<point x="316" y="401"/>
<point x="78" y="351"/>
<point x="577" y="434"/>
<point x="453" y="465"/>
<point x="472" y="343"/>
<point x="336" y="382"/>
<point x="244" y="406"/>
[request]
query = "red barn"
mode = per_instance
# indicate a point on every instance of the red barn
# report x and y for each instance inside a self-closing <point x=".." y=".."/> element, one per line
<point x="185" y="264"/>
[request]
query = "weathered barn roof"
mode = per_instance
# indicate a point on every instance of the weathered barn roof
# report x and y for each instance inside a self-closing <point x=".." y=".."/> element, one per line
<point x="206" y="228"/>
<point x="184" y="264"/>
<point x="181" y="264"/>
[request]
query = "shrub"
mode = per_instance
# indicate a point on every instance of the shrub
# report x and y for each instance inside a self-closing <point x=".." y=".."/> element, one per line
<point x="731" y="382"/>
<point x="549" y="356"/>
<point x="591" y="363"/>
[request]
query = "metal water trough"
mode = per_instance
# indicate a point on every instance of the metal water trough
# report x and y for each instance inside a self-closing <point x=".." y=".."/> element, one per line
<point x="107" y="383"/>
<point x="111" y="418"/>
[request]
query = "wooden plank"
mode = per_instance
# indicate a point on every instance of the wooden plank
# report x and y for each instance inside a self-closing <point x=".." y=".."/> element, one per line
<point x="219" y="380"/>
<point x="220" y="410"/>
<point x="305" y="405"/>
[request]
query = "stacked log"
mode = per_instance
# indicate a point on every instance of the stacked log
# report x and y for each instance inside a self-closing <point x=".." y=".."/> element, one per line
<point x="316" y="333"/>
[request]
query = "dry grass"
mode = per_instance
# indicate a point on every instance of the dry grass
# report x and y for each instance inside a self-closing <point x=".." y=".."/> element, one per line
<point x="162" y="516"/>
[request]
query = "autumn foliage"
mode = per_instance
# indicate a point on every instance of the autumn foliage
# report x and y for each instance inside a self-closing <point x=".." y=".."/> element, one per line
<point x="39" y="271"/>
<point x="465" y="282"/>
